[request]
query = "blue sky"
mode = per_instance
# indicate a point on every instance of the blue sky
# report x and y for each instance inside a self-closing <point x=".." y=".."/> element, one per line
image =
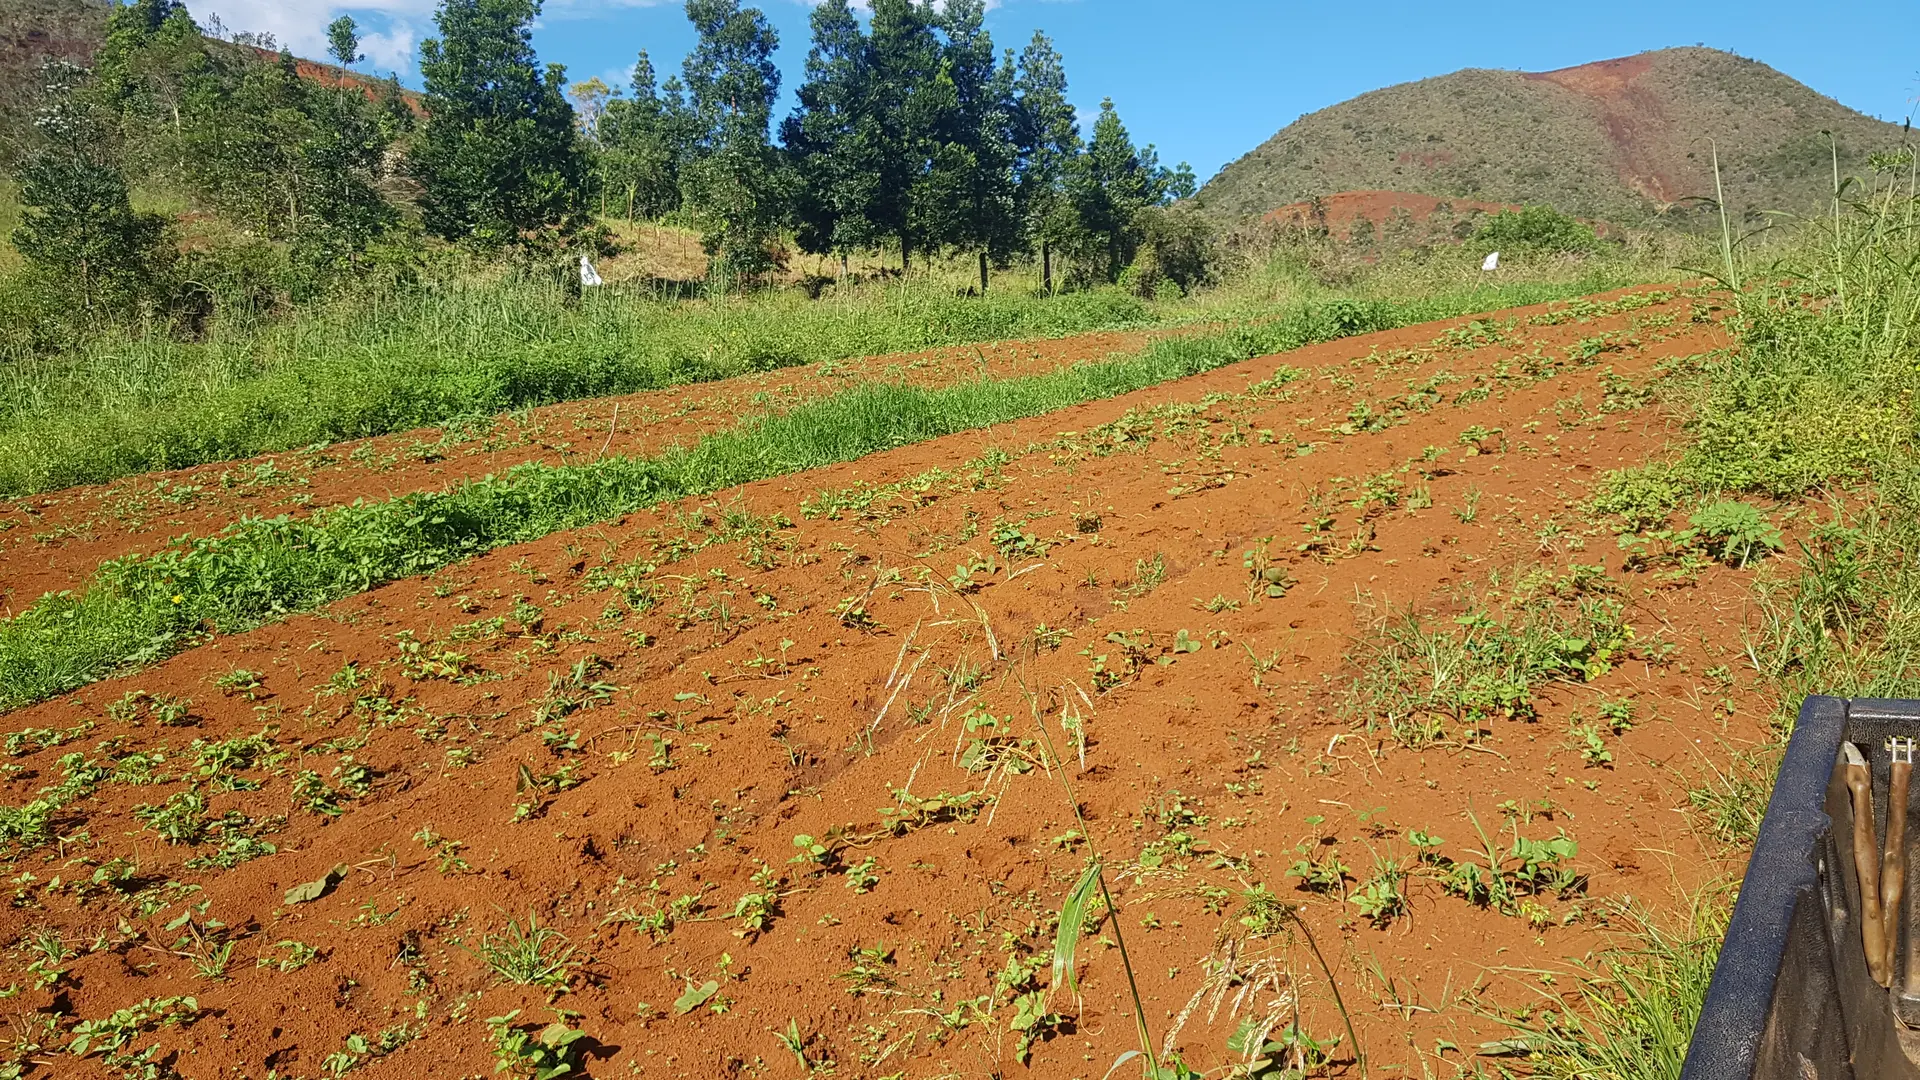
<point x="1207" y="80"/>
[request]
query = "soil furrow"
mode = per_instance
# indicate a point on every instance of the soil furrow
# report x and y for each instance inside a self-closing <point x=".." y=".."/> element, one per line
<point x="625" y="732"/>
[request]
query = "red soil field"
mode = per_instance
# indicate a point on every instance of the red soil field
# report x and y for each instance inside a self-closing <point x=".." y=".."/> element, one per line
<point x="903" y="657"/>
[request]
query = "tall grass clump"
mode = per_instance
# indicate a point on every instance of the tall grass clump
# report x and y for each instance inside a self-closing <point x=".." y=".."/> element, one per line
<point x="1815" y="409"/>
<point x="131" y="402"/>
<point x="1818" y="407"/>
<point x="1633" y="1011"/>
<point x="139" y="609"/>
<point x="1821" y="402"/>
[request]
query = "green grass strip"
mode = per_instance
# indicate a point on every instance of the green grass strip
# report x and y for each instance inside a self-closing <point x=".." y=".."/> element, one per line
<point x="140" y="609"/>
<point x="125" y="407"/>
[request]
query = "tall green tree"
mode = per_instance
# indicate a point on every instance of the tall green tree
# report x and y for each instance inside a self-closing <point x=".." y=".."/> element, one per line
<point x="832" y="139"/>
<point x="89" y="252"/>
<point x="294" y="160"/>
<point x="150" y="73"/>
<point x="1047" y="141"/>
<point x="643" y="144"/>
<point x="590" y="99"/>
<point x="909" y="99"/>
<point x="498" y="160"/>
<point x="342" y="162"/>
<point x="938" y="138"/>
<point x="1110" y="185"/>
<point x="732" y="179"/>
<point x="979" y="140"/>
<point x="343" y="41"/>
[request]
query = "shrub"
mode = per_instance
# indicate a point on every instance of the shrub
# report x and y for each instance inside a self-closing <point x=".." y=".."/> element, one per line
<point x="1536" y="228"/>
<point x="1179" y="247"/>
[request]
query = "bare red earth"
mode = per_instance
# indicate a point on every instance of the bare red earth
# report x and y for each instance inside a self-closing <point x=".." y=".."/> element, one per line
<point x="1630" y="114"/>
<point x="690" y="689"/>
<point x="1338" y="212"/>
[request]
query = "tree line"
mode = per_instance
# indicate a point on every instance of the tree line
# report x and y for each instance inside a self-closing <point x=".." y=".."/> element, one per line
<point x="910" y="132"/>
<point x="912" y="135"/>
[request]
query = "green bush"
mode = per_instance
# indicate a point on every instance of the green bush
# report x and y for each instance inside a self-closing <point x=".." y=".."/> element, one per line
<point x="1538" y="229"/>
<point x="1643" y="496"/>
<point x="1736" y="533"/>
<point x="1179" y="248"/>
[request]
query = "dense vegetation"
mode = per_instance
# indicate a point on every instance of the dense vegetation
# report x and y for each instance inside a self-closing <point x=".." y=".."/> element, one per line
<point x="912" y="133"/>
<point x="220" y="253"/>
<point x="132" y="404"/>
<point x="1622" y="140"/>
<point x="258" y="569"/>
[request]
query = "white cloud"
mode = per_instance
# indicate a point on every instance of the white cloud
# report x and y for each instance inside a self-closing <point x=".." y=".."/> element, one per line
<point x="621" y="78"/>
<point x="586" y="9"/>
<point x="391" y="51"/>
<point x="301" y="25"/>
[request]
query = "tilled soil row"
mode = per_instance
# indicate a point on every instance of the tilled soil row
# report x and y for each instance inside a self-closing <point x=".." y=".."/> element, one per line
<point x="54" y="541"/>
<point x="626" y="733"/>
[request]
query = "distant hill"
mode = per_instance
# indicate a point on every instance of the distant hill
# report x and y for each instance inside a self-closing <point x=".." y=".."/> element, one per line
<point x="35" y="31"/>
<point x="1619" y="140"/>
<point x="31" y="33"/>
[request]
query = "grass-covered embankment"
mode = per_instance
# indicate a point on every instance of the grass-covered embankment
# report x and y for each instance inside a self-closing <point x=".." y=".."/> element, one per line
<point x="1813" y="419"/>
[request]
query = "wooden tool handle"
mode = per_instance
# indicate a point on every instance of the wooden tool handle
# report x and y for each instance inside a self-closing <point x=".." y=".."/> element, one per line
<point x="1893" y="862"/>
<point x="1866" y="865"/>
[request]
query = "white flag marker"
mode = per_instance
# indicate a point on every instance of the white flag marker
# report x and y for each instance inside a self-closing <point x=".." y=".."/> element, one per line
<point x="588" y="275"/>
<point x="1491" y="263"/>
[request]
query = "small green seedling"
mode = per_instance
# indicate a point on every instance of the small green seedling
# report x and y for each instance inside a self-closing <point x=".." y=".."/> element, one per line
<point x="544" y="1055"/>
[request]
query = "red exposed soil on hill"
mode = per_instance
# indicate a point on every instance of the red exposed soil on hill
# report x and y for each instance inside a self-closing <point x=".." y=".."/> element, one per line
<point x="339" y="77"/>
<point x="1629" y="113"/>
<point x="1339" y="212"/>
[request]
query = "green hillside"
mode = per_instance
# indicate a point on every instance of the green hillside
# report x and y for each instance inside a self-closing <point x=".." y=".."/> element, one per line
<point x="1622" y="140"/>
<point x="31" y="33"/>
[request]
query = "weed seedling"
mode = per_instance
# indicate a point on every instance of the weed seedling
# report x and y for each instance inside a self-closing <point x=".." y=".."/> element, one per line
<point x="1147" y="575"/>
<point x="446" y="851"/>
<point x="1735" y="532"/>
<point x="112" y="1033"/>
<point x="535" y="956"/>
<point x="1321" y="873"/>
<point x="1380" y="898"/>
<point x="1618" y="714"/>
<point x="293" y="955"/>
<point x="705" y="993"/>
<point x="1261" y="912"/>
<point x="757" y="909"/>
<point x="1469" y="507"/>
<point x="241" y="681"/>
<point x="817" y="854"/>
<point x="182" y="819"/>
<point x="1593" y="749"/>
<point x="544" y="1055"/>
<point x="863" y="875"/>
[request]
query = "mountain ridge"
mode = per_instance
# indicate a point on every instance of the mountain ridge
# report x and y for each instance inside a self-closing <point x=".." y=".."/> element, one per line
<point x="1628" y="139"/>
